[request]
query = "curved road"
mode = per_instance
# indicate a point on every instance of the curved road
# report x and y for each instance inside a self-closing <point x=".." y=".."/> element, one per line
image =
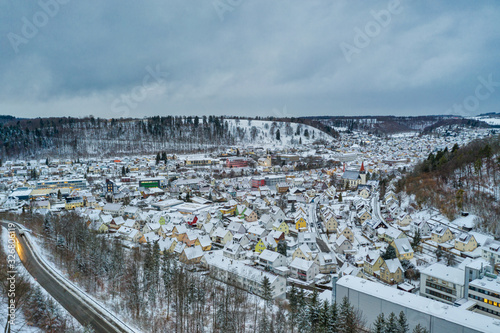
<point x="84" y="311"/>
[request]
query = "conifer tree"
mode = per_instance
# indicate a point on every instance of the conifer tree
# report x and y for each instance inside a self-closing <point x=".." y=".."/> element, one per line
<point x="294" y="306"/>
<point x="391" y="325"/>
<point x="402" y="326"/>
<point x="266" y="292"/>
<point x="379" y="324"/>
<point x="324" y="313"/>
<point x="420" y="329"/>
<point x="347" y="318"/>
<point x="313" y="311"/>
<point x="333" y="319"/>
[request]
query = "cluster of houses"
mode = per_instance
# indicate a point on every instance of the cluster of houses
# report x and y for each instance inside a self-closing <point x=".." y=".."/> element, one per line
<point x="290" y="227"/>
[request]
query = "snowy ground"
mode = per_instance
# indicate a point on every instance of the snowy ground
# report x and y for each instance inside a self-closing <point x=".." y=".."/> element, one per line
<point x="267" y="139"/>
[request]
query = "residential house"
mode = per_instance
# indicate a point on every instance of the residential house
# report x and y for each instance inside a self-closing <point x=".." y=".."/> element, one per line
<point x="270" y="260"/>
<point x="221" y="236"/>
<point x="179" y="231"/>
<point x="131" y="223"/>
<point x="236" y="228"/>
<point x="465" y="242"/>
<point x="255" y="233"/>
<point x="403" y="248"/>
<point x="300" y="223"/>
<point x="167" y="244"/>
<point x="281" y="226"/>
<point x="132" y="235"/>
<point x="442" y="283"/>
<point x="191" y="255"/>
<point x="116" y="223"/>
<point x="264" y="243"/>
<point x="331" y="223"/>
<point x="490" y="252"/>
<point x="421" y="226"/>
<point x="347" y="232"/>
<point x="342" y="244"/>
<point x="304" y="252"/>
<point x="441" y="234"/>
<point x="203" y="241"/>
<point x="234" y="251"/>
<point x="250" y="215"/>
<point x="363" y="215"/>
<point x="114" y="209"/>
<point x="241" y="239"/>
<point x="244" y="276"/>
<point x="304" y="270"/>
<point x="391" y="271"/>
<point x="372" y="263"/>
<point x="404" y="220"/>
<point x="308" y="238"/>
<point x="325" y="262"/>
<point x="390" y="234"/>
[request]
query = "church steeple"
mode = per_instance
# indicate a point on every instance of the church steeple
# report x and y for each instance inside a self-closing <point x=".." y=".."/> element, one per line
<point x="362" y="173"/>
<point x="362" y="169"/>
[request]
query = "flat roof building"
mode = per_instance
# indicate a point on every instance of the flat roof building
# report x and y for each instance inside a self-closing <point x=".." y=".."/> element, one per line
<point x="374" y="298"/>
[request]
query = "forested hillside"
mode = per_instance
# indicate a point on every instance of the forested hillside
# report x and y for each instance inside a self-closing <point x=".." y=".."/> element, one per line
<point x="386" y="125"/>
<point x="463" y="179"/>
<point x="86" y="137"/>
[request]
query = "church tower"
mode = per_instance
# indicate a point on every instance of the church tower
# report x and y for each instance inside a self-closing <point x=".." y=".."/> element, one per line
<point x="362" y="173"/>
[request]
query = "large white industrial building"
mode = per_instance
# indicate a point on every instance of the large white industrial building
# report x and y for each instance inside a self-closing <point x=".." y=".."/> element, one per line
<point x="374" y="298"/>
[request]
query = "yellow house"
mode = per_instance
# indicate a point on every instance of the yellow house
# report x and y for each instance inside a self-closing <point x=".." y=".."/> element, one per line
<point x="404" y="220"/>
<point x="391" y="271"/>
<point x="465" y="243"/>
<point x="303" y="252"/>
<point x="300" y="224"/>
<point x="179" y="232"/>
<point x="283" y="227"/>
<point x="372" y="263"/>
<point x="347" y="232"/>
<point x="363" y="216"/>
<point x="260" y="246"/>
<point x="441" y="234"/>
<point x="204" y="242"/>
<point x="403" y="248"/>
<point x="331" y="224"/>
<point x="73" y="204"/>
<point x="228" y="210"/>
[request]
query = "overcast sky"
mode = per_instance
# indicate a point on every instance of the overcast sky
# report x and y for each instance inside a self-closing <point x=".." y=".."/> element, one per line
<point x="124" y="58"/>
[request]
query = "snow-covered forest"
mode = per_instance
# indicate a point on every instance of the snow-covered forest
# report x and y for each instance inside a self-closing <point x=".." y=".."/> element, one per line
<point x="87" y="137"/>
<point x="462" y="179"/>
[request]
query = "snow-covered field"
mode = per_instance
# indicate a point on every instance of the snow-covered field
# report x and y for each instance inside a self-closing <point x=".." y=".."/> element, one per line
<point x="489" y="120"/>
<point x="264" y="132"/>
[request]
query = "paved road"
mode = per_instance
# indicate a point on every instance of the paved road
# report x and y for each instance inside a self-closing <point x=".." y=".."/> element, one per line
<point x="85" y="313"/>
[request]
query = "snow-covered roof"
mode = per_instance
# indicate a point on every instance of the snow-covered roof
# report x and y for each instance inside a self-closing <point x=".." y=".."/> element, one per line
<point x="445" y="273"/>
